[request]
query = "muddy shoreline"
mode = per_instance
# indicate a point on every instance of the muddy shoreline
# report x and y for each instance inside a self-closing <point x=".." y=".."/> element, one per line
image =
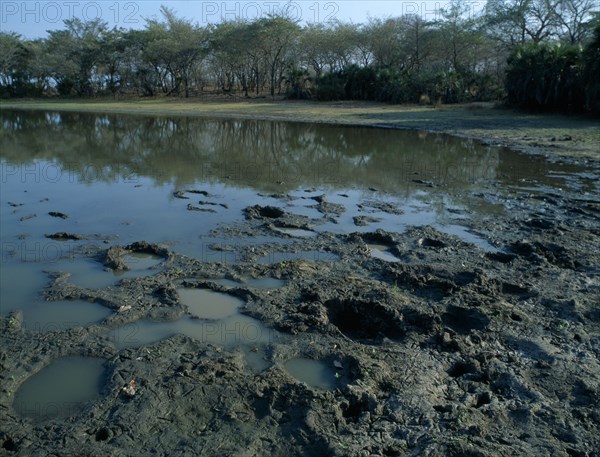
<point x="439" y="347"/>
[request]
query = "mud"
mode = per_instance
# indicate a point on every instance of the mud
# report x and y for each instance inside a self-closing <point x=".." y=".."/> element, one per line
<point x="450" y="350"/>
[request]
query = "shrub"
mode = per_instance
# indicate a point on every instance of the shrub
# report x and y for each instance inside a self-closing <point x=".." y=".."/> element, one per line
<point x="546" y="77"/>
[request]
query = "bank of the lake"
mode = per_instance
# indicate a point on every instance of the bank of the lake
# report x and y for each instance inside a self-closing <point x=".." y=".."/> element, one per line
<point x="574" y="137"/>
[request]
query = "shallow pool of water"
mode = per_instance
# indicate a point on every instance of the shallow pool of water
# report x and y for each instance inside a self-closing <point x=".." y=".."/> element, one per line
<point x="90" y="274"/>
<point x="207" y="304"/>
<point x="314" y="373"/>
<point x="226" y="282"/>
<point x="296" y="232"/>
<point x="312" y="255"/>
<point x="20" y="284"/>
<point x="62" y="315"/>
<point x="232" y="331"/>
<point x="139" y="261"/>
<point x="381" y="251"/>
<point x="62" y="389"/>
<point x="265" y="283"/>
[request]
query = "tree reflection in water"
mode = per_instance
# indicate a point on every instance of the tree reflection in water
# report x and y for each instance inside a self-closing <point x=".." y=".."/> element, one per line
<point x="268" y="156"/>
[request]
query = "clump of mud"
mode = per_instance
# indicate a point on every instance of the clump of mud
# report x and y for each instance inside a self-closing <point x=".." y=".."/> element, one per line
<point x="113" y="258"/>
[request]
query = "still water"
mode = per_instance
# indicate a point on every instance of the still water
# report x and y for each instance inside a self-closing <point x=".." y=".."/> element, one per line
<point x="61" y="389"/>
<point x="314" y="373"/>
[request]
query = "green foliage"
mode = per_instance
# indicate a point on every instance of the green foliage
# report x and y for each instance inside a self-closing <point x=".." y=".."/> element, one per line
<point x="298" y="84"/>
<point x="330" y="87"/>
<point x="546" y="77"/>
<point x="72" y="55"/>
<point x="14" y="58"/>
<point x="591" y="73"/>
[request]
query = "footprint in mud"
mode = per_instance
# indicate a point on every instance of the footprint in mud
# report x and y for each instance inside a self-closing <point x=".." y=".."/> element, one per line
<point x="207" y="304"/>
<point x="463" y="320"/>
<point x="255" y="283"/>
<point x="379" y="206"/>
<point x="501" y="257"/>
<point x="362" y="221"/>
<point x="431" y="243"/>
<point x="551" y="252"/>
<point x="48" y="316"/>
<point x="295" y="232"/>
<point x="136" y="256"/>
<point x="259" y="212"/>
<point x="381" y="251"/>
<point x="363" y="320"/>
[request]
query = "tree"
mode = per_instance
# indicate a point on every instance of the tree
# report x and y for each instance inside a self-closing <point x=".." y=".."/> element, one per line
<point x="575" y="19"/>
<point x="274" y="38"/>
<point x="234" y="55"/>
<point x="14" y="56"/>
<point x="515" y="22"/>
<point x="73" y="55"/>
<point x="111" y="61"/>
<point x="331" y="47"/>
<point x="591" y="81"/>
<point x="458" y="39"/>
<point x="385" y="40"/>
<point x="175" y="49"/>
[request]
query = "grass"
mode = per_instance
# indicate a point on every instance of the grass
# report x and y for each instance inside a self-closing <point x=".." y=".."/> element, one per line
<point x="572" y="136"/>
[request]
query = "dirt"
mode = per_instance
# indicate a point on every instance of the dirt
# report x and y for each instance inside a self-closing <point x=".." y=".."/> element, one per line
<point x="451" y="350"/>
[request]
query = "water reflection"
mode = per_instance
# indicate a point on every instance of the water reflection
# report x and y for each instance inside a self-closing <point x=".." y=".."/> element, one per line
<point x="264" y="155"/>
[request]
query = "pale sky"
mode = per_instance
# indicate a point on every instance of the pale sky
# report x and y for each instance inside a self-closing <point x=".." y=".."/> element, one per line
<point x="32" y="19"/>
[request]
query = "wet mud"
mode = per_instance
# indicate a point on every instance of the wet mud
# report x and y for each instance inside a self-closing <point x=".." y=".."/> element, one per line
<point x="440" y="348"/>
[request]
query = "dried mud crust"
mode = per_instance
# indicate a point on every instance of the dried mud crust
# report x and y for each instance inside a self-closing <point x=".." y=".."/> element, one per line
<point x="450" y="350"/>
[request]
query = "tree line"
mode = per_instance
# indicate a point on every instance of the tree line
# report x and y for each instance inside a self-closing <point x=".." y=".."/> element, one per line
<point x="542" y="55"/>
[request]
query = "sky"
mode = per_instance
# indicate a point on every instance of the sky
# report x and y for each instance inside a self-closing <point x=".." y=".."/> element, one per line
<point x="32" y="19"/>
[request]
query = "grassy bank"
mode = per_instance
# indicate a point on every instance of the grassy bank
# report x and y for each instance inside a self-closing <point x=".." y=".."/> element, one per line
<point x="549" y="134"/>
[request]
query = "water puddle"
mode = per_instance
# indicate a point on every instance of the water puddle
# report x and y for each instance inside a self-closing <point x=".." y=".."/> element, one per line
<point x="89" y="274"/>
<point x="137" y="261"/>
<point x="296" y="232"/>
<point x="226" y="282"/>
<point x="255" y="283"/>
<point x="61" y="389"/>
<point x="308" y="211"/>
<point x="86" y="273"/>
<point x="206" y="304"/>
<point x="381" y="251"/>
<point x="464" y="234"/>
<point x="317" y="256"/>
<point x="265" y="283"/>
<point x="20" y="284"/>
<point x="230" y="332"/>
<point x="314" y="373"/>
<point x="62" y="315"/>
